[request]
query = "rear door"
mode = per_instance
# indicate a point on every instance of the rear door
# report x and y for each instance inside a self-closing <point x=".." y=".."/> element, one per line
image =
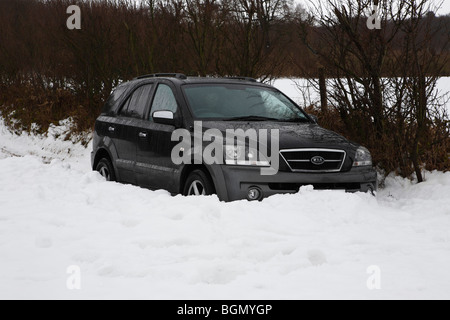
<point x="154" y="164"/>
<point x="126" y="131"/>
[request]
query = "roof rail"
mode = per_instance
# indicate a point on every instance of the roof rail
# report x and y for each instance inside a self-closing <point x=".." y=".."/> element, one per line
<point x="243" y="78"/>
<point x="160" y="75"/>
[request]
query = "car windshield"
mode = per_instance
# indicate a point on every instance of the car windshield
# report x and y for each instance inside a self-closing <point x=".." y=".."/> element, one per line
<point x="237" y="102"/>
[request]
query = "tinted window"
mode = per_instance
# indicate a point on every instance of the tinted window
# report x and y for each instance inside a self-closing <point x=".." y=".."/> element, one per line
<point x="164" y="100"/>
<point x="235" y="101"/>
<point x="135" y="105"/>
<point x="114" y="98"/>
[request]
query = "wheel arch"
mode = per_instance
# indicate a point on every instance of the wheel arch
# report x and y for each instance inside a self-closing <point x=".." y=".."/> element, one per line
<point x="188" y="169"/>
<point x="100" y="154"/>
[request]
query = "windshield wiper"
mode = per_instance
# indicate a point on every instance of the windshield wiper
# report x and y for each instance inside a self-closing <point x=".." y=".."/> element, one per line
<point x="252" y="118"/>
<point x="260" y="118"/>
<point x="302" y="120"/>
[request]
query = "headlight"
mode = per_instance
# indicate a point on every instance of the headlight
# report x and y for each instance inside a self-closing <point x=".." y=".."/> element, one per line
<point x="362" y="158"/>
<point x="244" y="156"/>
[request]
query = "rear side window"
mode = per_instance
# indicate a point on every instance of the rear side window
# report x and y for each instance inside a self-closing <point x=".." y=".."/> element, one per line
<point x="136" y="103"/>
<point x="164" y="100"/>
<point x="114" y="98"/>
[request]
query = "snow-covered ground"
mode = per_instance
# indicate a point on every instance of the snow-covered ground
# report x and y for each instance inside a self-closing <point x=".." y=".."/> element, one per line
<point x="130" y="242"/>
<point x="53" y="145"/>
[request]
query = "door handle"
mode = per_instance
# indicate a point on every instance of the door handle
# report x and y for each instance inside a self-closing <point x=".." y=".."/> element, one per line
<point x="143" y="134"/>
<point x="111" y="129"/>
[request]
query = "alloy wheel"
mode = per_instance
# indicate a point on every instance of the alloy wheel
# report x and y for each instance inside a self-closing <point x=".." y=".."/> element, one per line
<point x="104" y="172"/>
<point x="196" y="189"/>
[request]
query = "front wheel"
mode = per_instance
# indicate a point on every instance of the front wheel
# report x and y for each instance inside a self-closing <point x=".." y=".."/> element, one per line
<point x="198" y="184"/>
<point x="106" y="169"/>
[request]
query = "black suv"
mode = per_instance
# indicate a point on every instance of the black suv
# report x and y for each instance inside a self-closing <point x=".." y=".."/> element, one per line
<point x="133" y="140"/>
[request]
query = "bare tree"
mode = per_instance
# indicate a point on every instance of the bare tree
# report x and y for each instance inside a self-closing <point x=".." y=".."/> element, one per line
<point x="252" y="36"/>
<point x="417" y="64"/>
<point x="364" y="66"/>
<point x="205" y="20"/>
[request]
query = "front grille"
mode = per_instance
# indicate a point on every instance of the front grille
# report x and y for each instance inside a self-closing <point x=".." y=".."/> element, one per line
<point x="314" y="160"/>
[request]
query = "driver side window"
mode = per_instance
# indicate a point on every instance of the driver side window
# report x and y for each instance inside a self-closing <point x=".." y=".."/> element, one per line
<point x="164" y="100"/>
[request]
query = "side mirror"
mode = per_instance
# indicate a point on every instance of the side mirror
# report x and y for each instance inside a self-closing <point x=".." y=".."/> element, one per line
<point x="164" y="117"/>
<point x="314" y="118"/>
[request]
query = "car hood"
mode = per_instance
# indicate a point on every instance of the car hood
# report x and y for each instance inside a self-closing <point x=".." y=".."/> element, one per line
<point x="292" y="135"/>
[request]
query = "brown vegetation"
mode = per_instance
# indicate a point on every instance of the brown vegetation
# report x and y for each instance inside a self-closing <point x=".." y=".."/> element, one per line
<point x="48" y="73"/>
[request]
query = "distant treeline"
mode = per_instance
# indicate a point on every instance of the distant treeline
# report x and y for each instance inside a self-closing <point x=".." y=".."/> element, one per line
<point x="121" y="39"/>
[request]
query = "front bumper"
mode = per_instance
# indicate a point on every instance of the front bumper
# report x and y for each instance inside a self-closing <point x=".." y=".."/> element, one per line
<point x="233" y="182"/>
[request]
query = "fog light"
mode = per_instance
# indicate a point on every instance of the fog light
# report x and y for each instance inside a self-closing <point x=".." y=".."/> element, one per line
<point x="254" y="194"/>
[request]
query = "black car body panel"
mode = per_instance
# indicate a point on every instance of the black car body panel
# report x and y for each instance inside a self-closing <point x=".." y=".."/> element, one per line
<point x="140" y="149"/>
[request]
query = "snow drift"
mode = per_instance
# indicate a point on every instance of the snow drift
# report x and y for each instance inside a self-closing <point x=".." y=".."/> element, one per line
<point x="130" y="242"/>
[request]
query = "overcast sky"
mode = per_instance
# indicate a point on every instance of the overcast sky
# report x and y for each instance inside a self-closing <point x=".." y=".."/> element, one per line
<point x="445" y="8"/>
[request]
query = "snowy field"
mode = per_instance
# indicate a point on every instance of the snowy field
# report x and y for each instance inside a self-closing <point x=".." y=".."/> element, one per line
<point x="130" y="242"/>
<point x="304" y="93"/>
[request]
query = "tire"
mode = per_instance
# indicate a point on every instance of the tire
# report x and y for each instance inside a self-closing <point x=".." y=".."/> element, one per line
<point x="198" y="183"/>
<point x="106" y="169"/>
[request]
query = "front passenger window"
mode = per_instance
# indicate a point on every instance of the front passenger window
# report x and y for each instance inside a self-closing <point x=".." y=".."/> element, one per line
<point x="164" y="100"/>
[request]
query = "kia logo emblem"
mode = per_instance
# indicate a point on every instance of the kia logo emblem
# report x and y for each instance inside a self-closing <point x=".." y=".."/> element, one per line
<point x="317" y="160"/>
